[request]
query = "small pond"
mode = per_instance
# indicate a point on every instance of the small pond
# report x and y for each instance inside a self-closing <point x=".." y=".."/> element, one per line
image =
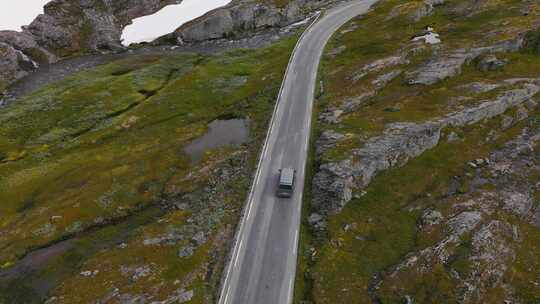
<point x="220" y="133"/>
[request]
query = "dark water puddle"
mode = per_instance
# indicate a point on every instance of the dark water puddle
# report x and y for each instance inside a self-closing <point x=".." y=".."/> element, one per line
<point x="35" y="260"/>
<point x="49" y="73"/>
<point x="221" y="133"/>
<point x="32" y="278"/>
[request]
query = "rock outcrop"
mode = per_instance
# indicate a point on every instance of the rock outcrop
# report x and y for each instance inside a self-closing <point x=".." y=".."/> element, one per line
<point x="379" y="65"/>
<point x="415" y="11"/>
<point x="484" y="216"/>
<point x="19" y="55"/>
<point x="445" y="66"/>
<point x="490" y="63"/>
<point x="67" y="28"/>
<point x="27" y="44"/>
<point x="72" y="27"/>
<point x="241" y="17"/>
<point x="11" y="65"/>
<point x="334" y="182"/>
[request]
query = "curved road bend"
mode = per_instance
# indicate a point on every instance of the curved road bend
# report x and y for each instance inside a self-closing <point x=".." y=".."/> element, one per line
<point x="263" y="262"/>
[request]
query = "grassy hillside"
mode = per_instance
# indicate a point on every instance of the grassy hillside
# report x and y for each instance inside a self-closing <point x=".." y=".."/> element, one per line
<point x="360" y="255"/>
<point x="98" y="199"/>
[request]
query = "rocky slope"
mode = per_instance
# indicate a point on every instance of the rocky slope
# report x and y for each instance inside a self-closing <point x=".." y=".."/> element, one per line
<point x="425" y="185"/>
<point x="69" y="28"/>
<point x="244" y="17"/>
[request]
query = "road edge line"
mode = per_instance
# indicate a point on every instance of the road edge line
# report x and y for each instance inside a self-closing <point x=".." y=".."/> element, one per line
<point x="228" y="268"/>
<point x="308" y="142"/>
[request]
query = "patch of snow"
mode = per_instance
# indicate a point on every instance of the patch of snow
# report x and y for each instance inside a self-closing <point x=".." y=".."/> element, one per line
<point x="89" y="273"/>
<point x="302" y="22"/>
<point x="14" y="14"/>
<point x="34" y="64"/>
<point x="168" y="19"/>
<point x="295" y="25"/>
<point x="430" y="37"/>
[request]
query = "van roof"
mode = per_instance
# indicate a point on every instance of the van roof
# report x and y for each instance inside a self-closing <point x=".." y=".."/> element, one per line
<point x="287" y="176"/>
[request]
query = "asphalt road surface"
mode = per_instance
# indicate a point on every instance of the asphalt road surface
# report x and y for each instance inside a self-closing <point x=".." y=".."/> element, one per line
<point x="263" y="262"/>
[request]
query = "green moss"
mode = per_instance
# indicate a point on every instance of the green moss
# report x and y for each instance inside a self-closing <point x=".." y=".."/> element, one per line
<point x="532" y="42"/>
<point x="460" y="262"/>
<point x="346" y="267"/>
<point x="107" y="143"/>
<point x="86" y="33"/>
<point x="386" y="216"/>
<point x="525" y="271"/>
<point x="434" y="287"/>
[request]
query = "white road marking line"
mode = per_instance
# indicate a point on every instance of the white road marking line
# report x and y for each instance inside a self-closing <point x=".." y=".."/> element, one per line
<point x="226" y="296"/>
<point x="270" y="140"/>
<point x="295" y="244"/>
<point x="302" y="175"/>
<point x="236" y="258"/>
<point x="279" y="107"/>
<point x="237" y="255"/>
<point x="258" y="178"/>
<point x="240" y="247"/>
<point x="290" y="290"/>
<point x="249" y="211"/>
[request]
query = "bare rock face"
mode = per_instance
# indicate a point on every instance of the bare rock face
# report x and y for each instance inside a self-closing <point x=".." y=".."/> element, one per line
<point x="415" y="11"/>
<point x="334" y="183"/>
<point x="26" y="43"/>
<point x="241" y="17"/>
<point x="485" y="217"/>
<point x="327" y="139"/>
<point x="490" y="63"/>
<point x="69" y="27"/>
<point x="446" y="66"/>
<point x="490" y="257"/>
<point x="13" y="64"/>
<point x="72" y="26"/>
<point x="19" y="55"/>
<point x="440" y="68"/>
<point x="379" y="65"/>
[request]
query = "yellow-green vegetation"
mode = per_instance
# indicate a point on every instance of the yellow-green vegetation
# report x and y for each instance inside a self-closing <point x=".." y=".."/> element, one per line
<point x="278" y="3"/>
<point x="376" y="230"/>
<point x="98" y="159"/>
<point x="378" y="36"/>
<point x="386" y="218"/>
<point x="532" y="42"/>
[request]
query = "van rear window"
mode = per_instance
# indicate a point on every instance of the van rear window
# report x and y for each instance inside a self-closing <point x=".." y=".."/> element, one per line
<point x="286" y="187"/>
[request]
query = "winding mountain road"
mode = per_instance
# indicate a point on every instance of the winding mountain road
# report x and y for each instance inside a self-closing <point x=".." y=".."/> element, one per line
<point x="263" y="261"/>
